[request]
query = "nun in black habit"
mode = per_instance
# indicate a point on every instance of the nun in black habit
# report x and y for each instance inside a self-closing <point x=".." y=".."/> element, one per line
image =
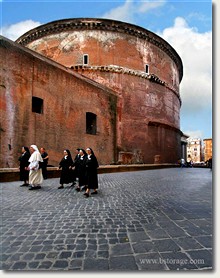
<point x="91" y="172"/>
<point x="81" y="170"/>
<point x="66" y="169"/>
<point x="75" y="168"/>
<point x="23" y="159"/>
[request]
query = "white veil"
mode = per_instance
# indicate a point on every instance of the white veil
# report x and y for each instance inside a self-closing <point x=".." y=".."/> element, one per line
<point x="36" y="156"/>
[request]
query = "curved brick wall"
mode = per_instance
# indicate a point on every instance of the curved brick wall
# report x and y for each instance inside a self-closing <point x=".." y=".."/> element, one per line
<point x="148" y="104"/>
<point x="107" y="42"/>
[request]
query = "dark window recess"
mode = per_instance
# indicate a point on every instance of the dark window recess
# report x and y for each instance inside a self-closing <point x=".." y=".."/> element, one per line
<point x="37" y="105"/>
<point x="91" y="123"/>
<point x="85" y="59"/>
<point x="146" y="68"/>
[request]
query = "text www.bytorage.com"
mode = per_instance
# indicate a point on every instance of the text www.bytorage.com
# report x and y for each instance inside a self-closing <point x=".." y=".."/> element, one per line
<point x="169" y="261"/>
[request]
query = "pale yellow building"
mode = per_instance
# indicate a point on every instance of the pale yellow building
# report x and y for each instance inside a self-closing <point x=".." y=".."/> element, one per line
<point x="207" y="148"/>
<point x="194" y="150"/>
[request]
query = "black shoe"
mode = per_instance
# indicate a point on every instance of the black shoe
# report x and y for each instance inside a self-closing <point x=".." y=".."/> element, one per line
<point x="95" y="192"/>
<point x="78" y="189"/>
<point x="25" y="184"/>
<point x="86" y="195"/>
<point x="60" y="187"/>
<point x="35" y="187"/>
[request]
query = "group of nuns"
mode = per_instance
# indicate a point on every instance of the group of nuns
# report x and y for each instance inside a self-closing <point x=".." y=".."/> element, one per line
<point x="80" y="171"/>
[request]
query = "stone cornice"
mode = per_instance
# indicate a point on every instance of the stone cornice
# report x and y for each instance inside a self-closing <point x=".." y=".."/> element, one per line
<point x="117" y="69"/>
<point x="106" y="25"/>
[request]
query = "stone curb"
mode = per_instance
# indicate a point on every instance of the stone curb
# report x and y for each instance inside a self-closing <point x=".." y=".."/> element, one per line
<point x="12" y="174"/>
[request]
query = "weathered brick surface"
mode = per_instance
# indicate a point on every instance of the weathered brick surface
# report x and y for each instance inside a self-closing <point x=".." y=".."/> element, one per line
<point x="138" y="117"/>
<point x="107" y="47"/>
<point x="67" y="97"/>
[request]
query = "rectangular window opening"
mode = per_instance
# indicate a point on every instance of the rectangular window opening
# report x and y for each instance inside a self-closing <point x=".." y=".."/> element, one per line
<point x="147" y="69"/>
<point x="37" y="105"/>
<point x="85" y="59"/>
<point x="91" y="123"/>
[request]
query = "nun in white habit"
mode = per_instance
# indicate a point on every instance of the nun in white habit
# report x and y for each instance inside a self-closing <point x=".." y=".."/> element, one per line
<point x="35" y="174"/>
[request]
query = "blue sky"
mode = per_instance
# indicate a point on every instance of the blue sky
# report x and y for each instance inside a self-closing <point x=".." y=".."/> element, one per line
<point x="186" y="25"/>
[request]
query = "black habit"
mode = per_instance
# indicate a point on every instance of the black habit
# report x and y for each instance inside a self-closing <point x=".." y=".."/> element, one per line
<point x="81" y="170"/>
<point x="76" y="165"/>
<point x="66" y="171"/>
<point x="44" y="164"/>
<point x="24" y="174"/>
<point x="91" y="172"/>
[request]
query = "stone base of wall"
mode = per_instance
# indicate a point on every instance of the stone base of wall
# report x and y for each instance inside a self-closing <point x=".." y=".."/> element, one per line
<point x="12" y="174"/>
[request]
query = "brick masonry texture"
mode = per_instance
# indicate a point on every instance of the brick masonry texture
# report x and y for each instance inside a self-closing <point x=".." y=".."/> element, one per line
<point x="138" y="113"/>
<point x="139" y="221"/>
<point x="63" y="124"/>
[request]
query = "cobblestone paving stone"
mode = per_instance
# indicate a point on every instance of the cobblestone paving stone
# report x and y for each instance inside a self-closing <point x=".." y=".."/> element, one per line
<point x="145" y="220"/>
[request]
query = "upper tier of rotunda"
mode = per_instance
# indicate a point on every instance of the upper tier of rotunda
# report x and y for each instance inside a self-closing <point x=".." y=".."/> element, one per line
<point x="77" y="24"/>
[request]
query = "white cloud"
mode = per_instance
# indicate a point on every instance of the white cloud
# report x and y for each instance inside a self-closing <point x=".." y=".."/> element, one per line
<point x="14" y="31"/>
<point x="129" y="10"/>
<point x="122" y="13"/>
<point x="194" y="133"/>
<point x="195" y="50"/>
<point x="147" y="6"/>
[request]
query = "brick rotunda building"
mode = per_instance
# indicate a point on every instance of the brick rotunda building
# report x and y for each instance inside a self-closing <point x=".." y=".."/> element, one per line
<point x="85" y="82"/>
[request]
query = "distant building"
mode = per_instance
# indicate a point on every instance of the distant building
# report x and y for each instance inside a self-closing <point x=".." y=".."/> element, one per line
<point x="194" y="150"/>
<point x="184" y="146"/>
<point x="207" y="149"/>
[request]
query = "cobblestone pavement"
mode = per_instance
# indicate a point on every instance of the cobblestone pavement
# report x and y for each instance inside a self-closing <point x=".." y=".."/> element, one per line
<point x="145" y="220"/>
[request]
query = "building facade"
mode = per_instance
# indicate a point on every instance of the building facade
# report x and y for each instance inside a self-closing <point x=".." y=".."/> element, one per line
<point x="194" y="150"/>
<point x="101" y="83"/>
<point x="207" y="149"/>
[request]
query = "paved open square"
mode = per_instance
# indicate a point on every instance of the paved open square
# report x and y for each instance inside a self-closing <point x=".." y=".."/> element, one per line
<point x="139" y="221"/>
